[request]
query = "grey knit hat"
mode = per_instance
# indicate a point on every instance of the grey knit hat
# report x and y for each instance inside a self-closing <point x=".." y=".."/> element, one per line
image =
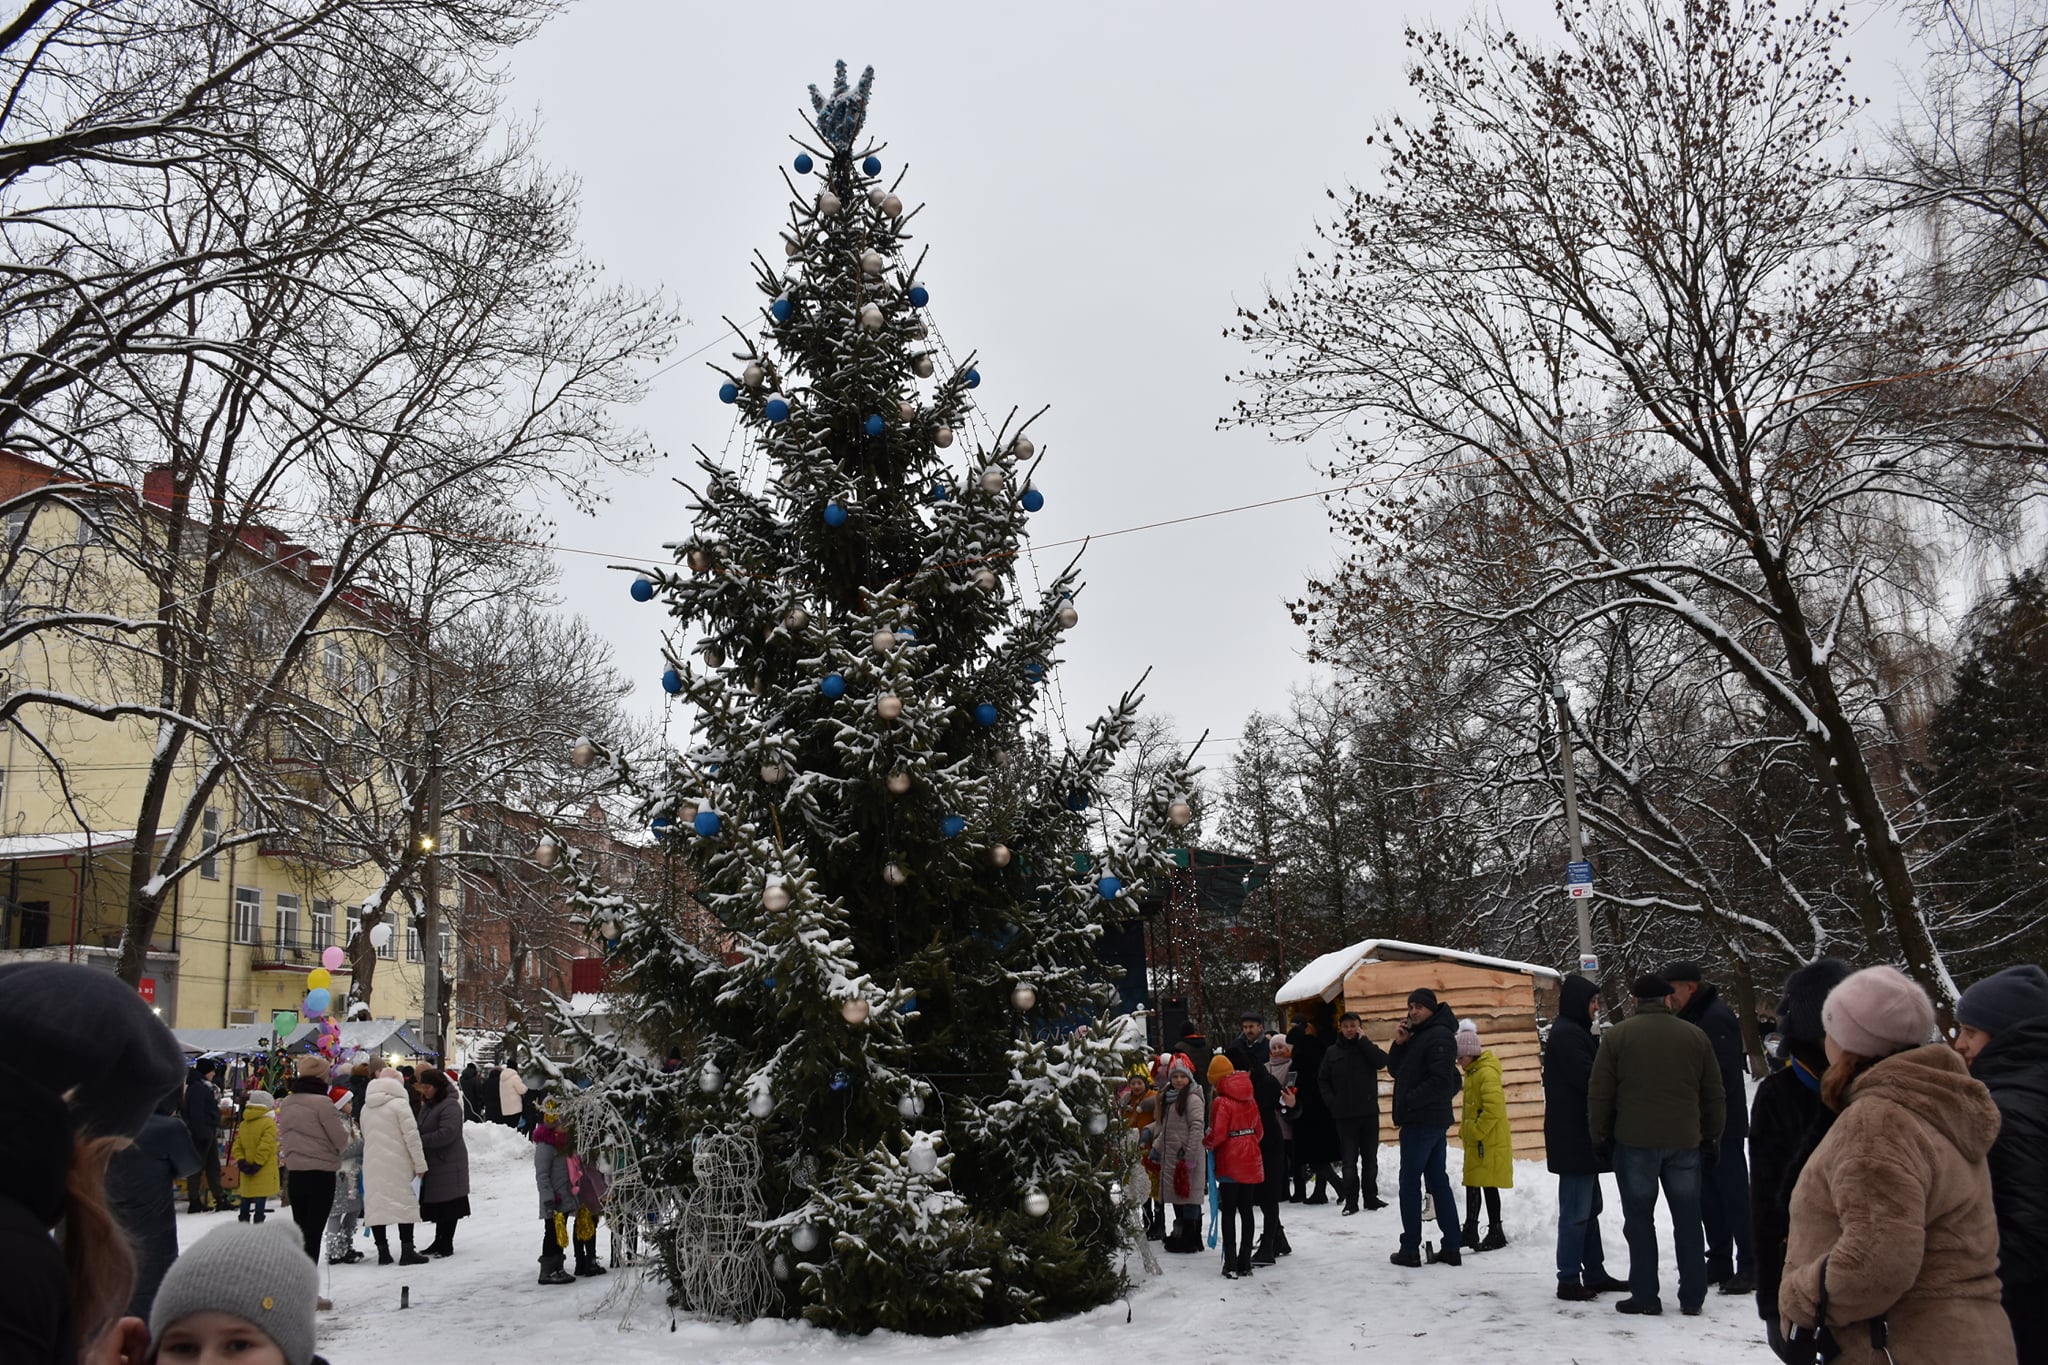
<point x="251" y="1271"/>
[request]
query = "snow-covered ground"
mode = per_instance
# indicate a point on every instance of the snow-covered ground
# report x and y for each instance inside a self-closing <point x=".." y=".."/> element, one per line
<point x="1336" y="1292"/>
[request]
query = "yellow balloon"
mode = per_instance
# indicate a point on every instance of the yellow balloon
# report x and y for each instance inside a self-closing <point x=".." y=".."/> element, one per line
<point x="319" y="979"/>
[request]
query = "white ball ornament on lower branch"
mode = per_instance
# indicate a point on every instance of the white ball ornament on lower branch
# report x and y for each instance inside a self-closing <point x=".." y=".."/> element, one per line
<point x="775" y="898"/>
<point x="899" y="783"/>
<point x="905" y="412"/>
<point x="910" y="1106"/>
<point x="872" y="262"/>
<point x="883" y="640"/>
<point x="714" y="655"/>
<point x="923" y="1157"/>
<point x="700" y="561"/>
<point x="828" y="204"/>
<point x="985" y="579"/>
<point x="942" y="436"/>
<point x="922" y="367"/>
<point x="1036" y="1204"/>
<point x="805" y="1238"/>
<point x="876" y="194"/>
<point x="753" y="376"/>
<point x="992" y="479"/>
<point x="710" y="1080"/>
<point x="889" y="706"/>
<point x="1180" y="812"/>
<point x="1025" y="996"/>
<point x="1022" y="448"/>
<point x="892" y="206"/>
<point x="871" y="318"/>
<point x="1067" y="616"/>
<point x="1000" y="855"/>
<point x="780" y="1266"/>
<point x="797" y="618"/>
<point x="771" y="773"/>
<point x="894" y="874"/>
<point x="1098" y="1124"/>
<point x="791" y="247"/>
<point x="761" y="1105"/>
<point x="855" y="1011"/>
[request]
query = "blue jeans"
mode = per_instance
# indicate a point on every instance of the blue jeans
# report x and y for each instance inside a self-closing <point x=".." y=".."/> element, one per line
<point x="1578" y="1229"/>
<point x="247" y="1207"/>
<point x="1422" y="1158"/>
<point x="1638" y="1171"/>
<point x="1724" y="1207"/>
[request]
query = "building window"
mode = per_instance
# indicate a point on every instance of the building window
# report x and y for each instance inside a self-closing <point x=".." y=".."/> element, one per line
<point x="14" y="528"/>
<point x="331" y="661"/>
<point x="323" y="925"/>
<point x="209" y="840"/>
<point x="248" y="914"/>
<point x="389" y="952"/>
<point x="287" y="922"/>
<point x="412" y="941"/>
<point x="366" y="675"/>
<point x="90" y="532"/>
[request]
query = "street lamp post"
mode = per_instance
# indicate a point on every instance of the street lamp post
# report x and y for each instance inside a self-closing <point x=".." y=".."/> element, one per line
<point x="1589" y="962"/>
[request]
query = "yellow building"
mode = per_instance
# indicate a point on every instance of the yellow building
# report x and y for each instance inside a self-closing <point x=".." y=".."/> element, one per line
<point x="246" y="920"/>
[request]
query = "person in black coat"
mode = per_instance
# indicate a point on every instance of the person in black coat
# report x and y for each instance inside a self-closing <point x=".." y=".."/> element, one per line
<point x="1349" y="1082"/>
<point x="471" y="1084"/>
<point x="1267" y="1093"/>
<point x="1424" y="1060"/>
<point x="1786" y="1124"/>
<point x="1315" y="1132"/>
<point x="1568" y="1141"/>
<point x="1724" y="1180"/>
<point x="201" y="1112"/>
<point x="139" y="1190"/>
<point x="2003" y="1033"/>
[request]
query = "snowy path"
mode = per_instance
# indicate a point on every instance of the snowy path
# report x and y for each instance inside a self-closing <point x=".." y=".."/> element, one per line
<point x="1336" y="1292"/>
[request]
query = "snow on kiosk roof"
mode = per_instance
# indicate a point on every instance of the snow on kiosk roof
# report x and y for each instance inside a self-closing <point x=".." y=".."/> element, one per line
<point x="1323" y="978"/>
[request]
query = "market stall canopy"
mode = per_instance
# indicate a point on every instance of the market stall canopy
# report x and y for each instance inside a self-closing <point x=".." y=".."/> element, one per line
<point x="1323" y="979"/>
<point x="379" y="1036"/>
<point x="223" y="1042"/>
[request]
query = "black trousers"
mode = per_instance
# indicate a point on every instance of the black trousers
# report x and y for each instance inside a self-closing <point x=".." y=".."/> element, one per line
<point x="312" y="1196"/>
<point x="208" y="1151"/>
<point x="1358" y="1157"/>
<point x="1236" y="1201"/>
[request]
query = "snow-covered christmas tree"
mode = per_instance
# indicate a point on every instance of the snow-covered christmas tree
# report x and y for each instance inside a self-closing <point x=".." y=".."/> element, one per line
<point x="910" y="1018"/>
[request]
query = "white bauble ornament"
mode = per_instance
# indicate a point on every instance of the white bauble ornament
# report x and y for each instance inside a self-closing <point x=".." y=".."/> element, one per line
<point x="752" y="376"/>
<point x="781" y="1266"/>
<point x="855" y="1011"/>
<point x="1036" y="1204"/>
<point x="1115" y="1191"/>
<point x="1066" y="616"/>
<point x="797" y="618"/>
<point x="1098" y="1124"/>
<point x="1022" y="448"/>
<point x="910" y="1106"/>
<point x="1025" y="996"/>
<point x="828" y="204"/>
<point x="919" y="330"/>
<point x="905" y="412"/>
<point x="899" y="783"/>
<point x="942" y="437"/>
<point x="894" y="874"/>
<point x="710" y="1079"/>
<point x="608" y="929"/>
<point x="686" y="812"/>
<point x="876" y="195"/>
<point x="892" y="206"/>
<point x="805" y="1238"/>
<point x="888" y="706"/>
<point x="771" y="773"/>
<point x="1180" y="812"/>
<point x="714" y="656"/>
<point x="922" y="367"/>
<point x="992" y="479"/>
<point x="790" y="247"/>
<point x="775" y="898"/>
<point x="923" y="1158"/>
<point x="884" y="640"/>
<point x="547" y="851"/>
<point x="871" y="318"/>
<point x="1000" y="855"/>
<point x="985" y="579"/>
<point x="582" y="753"/>
<point x="761" y="1105"/>
<point x="872" y="262"/>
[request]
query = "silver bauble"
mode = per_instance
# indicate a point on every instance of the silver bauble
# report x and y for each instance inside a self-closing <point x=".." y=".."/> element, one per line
<point x="710" y="1079"/>
<point x="892" y="206"/>
<point x="828" y="203"/>
<point x="992" y="479"/>
<point x="775" y="897"/>
<point x="771" y="773"/>
<point x="855" y="1011"/>
<point x="942" y="436"/>
<point x="872" y="262"/>
<point x="752" y="376"/>
<point x="761" y="1105"/>
<point x="714" y="656"/>
<point x="899" y="783"/>
<point x="1066" y="616"/>
<point x="888" y="706"/>
<point x="805" y="1238"/>
<point x="1025" y="996"/>
<point x="923" y="1159"/>
<point x="922" y="367"/>
<point x="910" y="1106"/>
<point x="1022" y="447"/>
<point x="871" y="318"/>
<point x="1000" y="855"/>
<point x="985" y="579"/>
<point x="894" y="874"/>
<point x="905" y="412"/>
<point x="883" y="640"/>
<point x="797" y="618"/>
<point x="1180" y="812"/>
<point x="1036" y="1204"/>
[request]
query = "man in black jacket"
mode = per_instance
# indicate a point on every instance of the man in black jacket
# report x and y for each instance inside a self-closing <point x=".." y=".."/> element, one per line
<point x="1424" y="1060"/>
<point x="2002" y="1031"/>
<point x="1350" y="1082"/>
<point x="1724" y="1182"/>
<point x="201" y="1112"/>
<point x="1567" y="1067"/>
<point x="1248" y="1049"/>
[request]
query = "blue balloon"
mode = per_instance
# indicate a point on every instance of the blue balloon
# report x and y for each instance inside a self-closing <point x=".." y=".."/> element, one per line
<point x="835" y="515"/>
<point x="777" y="410"/>
<point x="642" y="590"/>
<point x="919" y="296"/>
<point x="317" y="1001"/>
<point x="706" y="823"/>
<point x="940" y="492"/>
<point x="803" y="163"/>
<point x="1077" y="799"/>
<point x="728" y="392"/>
<point x="671" y="681"/>
<point x="833" y="686"/>
<point x="779" y="310"/>
<point x="1108" y="888"/>
<point x="985" y="714"/>
<point x="875" y="424"/>
<point x="873" y="165"/>
<point x="974" y="379"/>
<point x="1033" y="500"/>
<point x="952" y="826"/>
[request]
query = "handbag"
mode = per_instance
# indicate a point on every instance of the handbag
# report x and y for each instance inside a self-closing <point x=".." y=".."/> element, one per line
<point x="1813" y="1345"/>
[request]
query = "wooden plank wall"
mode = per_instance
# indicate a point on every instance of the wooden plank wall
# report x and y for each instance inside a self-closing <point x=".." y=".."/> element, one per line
<point x="1504" y="1005"/>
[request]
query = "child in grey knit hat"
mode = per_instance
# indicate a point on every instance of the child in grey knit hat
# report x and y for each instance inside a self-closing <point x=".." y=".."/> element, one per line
<point x="244" y="1290"/>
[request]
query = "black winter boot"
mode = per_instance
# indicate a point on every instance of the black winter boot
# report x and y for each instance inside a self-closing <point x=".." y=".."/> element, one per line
<point x="383" y="1245"/>
<point x="1280" y="1242"/>
<point x="1495" y="1239"/>
<point x="586" y="1259"/>
<point x="1470" y="1236"/>
<point x="1268" y="1250"/>
<point x="406" y="1255"/>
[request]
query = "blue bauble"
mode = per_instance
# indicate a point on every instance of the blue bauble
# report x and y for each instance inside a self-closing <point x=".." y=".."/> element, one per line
<point x="1108" y="888"/>
<point x="1033" y="500"/>
<point x="671" y="681"/>
<point x="833" y="686"/>
<point x="919" y="296"/>
<point x="835" y="515"/>
<point x="779" y="310"/>
<point x="985" y="714"/>
<point x="940" y="492"/>
<point x="642" y="590"/>
<point x="728" y="392"/>
<point x="953" y="826"/>
<point x="661" y="824"/>
<point x="706" y="823"/>
<point x="842" y="1079"/>
<point x="777" y="410"/>
<point x="905" y="634"/>
<point x="803" y="163"/>
<point x="873" y="165"/>
<point x="1034" y="671"/>
<point x="1077" y="799"/>
<point x="908" y="1007"/>
<point x="875" y="424"/>
<point x="974" y="379"/>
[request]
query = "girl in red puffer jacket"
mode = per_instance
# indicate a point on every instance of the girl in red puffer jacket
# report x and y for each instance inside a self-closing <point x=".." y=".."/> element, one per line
<point x="1235" y="1131"/>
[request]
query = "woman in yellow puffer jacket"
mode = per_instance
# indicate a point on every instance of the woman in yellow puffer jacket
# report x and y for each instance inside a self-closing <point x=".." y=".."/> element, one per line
<point x="255" y="1157"/>
<point x="1488" y="1142"/>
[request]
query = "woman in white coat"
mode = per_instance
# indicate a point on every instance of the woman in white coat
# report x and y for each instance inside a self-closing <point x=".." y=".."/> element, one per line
<point x="392" y="1159"/>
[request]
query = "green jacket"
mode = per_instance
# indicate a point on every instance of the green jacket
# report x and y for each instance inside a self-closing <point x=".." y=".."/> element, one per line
<point x="1656" y="1083"/>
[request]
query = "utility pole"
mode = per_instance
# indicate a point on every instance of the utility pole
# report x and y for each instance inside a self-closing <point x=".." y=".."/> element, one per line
<point x="1581" y="892"/>
<point x="430" y="890"/>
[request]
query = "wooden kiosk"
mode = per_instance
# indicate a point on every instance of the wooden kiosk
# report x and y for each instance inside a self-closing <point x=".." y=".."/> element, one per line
<point x="1508" y="1000"/>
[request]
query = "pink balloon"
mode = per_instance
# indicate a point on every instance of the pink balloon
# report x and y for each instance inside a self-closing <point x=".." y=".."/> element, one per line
<point x="333" y="959"/>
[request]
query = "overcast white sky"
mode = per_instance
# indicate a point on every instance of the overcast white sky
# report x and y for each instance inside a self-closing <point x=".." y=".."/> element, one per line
<point x="1101" y="182"/>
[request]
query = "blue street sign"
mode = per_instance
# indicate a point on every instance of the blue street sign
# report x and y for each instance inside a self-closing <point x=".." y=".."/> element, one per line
<point x="1578" y="872"/>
